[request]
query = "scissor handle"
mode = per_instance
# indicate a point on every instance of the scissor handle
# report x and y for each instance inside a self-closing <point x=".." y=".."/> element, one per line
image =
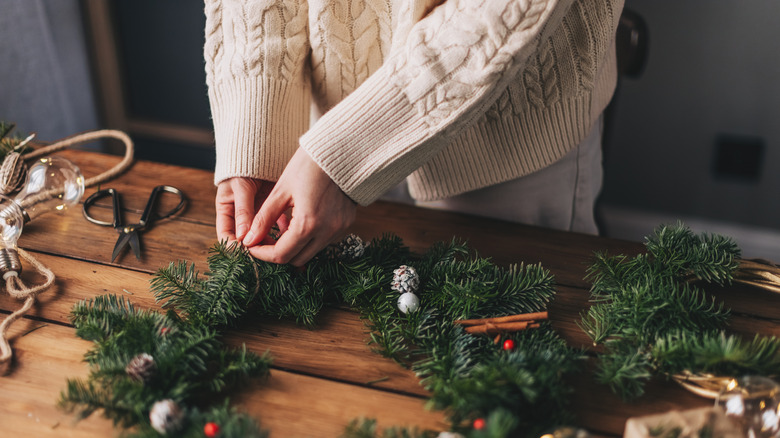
<point x="146" y="216"/>
<point x="100" y="194"/>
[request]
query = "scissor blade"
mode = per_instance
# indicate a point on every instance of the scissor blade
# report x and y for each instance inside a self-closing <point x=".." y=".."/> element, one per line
<point x="135" y="243"/>
<point x="121" y="243"/>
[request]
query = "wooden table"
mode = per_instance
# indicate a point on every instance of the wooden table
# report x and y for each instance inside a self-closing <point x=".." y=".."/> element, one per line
<point x="322" y="378"/>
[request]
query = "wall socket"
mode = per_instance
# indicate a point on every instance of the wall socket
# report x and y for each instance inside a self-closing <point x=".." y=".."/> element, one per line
<point x="738" y="157"/>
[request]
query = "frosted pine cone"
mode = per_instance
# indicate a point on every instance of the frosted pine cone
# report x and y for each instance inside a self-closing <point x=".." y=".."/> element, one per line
<point x="351" y="247"/>
<point x="141" y="368"/>
<point x="166" y="416"/>
<point x="405" y="279"/>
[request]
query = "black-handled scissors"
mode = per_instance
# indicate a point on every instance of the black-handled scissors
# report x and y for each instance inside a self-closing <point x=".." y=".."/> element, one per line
<point x="128" y="234"/>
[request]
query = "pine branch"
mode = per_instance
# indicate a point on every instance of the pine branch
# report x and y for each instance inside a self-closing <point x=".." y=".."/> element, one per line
<point x="367" y="428"/>
<point x="455" y="283"/>
<point x="232" y="424"/>
<point x="625" y="370"/>
<point x="521" y="382"/>
<point x="176" y="285"/>
<point x="642" y="304"/>
<point x="11" y="143"/>
<point x="711" y="258"/>
<point x="228" y="287"/>
<point x="190" y="364"/>
<point x="717" y="353"/>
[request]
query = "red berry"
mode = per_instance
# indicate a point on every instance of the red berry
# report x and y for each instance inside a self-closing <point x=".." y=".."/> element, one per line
<point x="164" y="330"/>
<point x="509" y="345"/>
<point x="211" y="429"/>
<point x="479" y="423"/>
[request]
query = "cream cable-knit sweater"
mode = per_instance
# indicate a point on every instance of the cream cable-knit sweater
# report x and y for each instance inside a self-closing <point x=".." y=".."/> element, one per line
<point x="457" y="94"/>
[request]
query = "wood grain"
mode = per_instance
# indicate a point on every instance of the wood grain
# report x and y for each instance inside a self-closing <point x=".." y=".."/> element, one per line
<point x="566" y="254"/>
<point x="291" y="405"/>
<point x="336" y="349"/>
<point x="324" y="377"/>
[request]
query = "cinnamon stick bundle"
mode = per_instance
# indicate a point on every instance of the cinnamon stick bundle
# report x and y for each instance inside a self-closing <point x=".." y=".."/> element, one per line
<point x="502" y="324"/>
<point x="536" y="316"/>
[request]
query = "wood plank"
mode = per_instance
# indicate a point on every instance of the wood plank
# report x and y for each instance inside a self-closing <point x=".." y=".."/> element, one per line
<point x="336" y="349"/>
<point x="301" y="406"/>
<point x="747" y="300"/>
<point x="69" y="234"/>
<point x="290" y="405"/>
<point x="336" y="352"/>
<point x="340" y="334"/>
<point x="136" y="183"/>
<point x="565" y="254"/>
<point x="339" y="337"/>
<point x="44" y="359"/>
<point x="599" y="410"/>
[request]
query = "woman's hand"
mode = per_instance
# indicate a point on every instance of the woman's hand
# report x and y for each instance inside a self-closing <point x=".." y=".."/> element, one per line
<point x="321" y="213"/>
<point x="237" y="202"/>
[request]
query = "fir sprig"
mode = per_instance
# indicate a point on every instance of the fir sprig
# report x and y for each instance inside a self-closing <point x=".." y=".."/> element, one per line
<point x="653" y="317"/>
<point x="367" y="428"/>
<point x="717" y="353"/>
<point x="708" y="257"/>
<point x="521" y="381"/>
<point x="468" y="375"/>
<point x="191" y="364"/>
<point x="11" y="143"/>
<point x="231" y="424"/>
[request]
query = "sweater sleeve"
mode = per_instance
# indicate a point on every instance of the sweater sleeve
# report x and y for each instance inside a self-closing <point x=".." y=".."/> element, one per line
<point x="452" y="66"/>
<point x="255" y="53"/>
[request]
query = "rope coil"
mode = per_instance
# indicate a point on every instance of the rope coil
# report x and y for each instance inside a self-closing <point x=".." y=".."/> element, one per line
<point x="12" y="170"/>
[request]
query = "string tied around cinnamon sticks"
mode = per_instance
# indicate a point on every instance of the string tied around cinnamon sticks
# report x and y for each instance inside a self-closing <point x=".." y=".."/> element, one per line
<point x="503" y="324"/>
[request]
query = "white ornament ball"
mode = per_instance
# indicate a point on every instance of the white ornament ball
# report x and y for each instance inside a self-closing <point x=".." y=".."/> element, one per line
<point x="408" y="303"/>
<point x="166" y="416"/>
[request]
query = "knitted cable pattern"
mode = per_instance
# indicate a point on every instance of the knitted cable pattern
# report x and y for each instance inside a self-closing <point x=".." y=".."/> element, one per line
<point x="263" y="38"/>
<point x="212" y="49"/>
<point x="470" y="93"/>
<point x="353" y="38"/>
<point x="476" y="43"/>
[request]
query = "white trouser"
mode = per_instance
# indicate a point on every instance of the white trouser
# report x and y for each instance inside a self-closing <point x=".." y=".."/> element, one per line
<point x="560" y="196"/>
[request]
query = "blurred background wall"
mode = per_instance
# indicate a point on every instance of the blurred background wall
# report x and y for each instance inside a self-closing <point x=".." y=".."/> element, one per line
<point x="45" y="78"/>
<point x="697" y="137"/>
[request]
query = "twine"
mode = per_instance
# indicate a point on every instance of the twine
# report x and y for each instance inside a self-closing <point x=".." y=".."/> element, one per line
<point x="87" y="137"/>
<point x="13" y="284"/>
<point x="17" y="289"/>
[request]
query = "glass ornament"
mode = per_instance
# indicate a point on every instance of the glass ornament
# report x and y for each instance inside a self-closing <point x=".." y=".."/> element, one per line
<point x="752" y="403"/>
<point x="53" y="184"/>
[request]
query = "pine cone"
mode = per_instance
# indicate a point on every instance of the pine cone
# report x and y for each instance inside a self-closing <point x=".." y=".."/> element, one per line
<point x="405" y="279"/>
<point x="13" y="173"/>
<point x="351" y="247"/>
<point x="141" y="368"/>
<point x="166" y="416"/>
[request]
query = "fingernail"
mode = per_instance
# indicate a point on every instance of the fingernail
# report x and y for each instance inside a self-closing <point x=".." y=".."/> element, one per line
<point x="240" y="231"/>
<point x="248" y="238"/>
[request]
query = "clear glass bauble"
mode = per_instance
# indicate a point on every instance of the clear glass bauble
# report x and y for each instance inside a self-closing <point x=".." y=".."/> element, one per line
<point x="752" y="403"/>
